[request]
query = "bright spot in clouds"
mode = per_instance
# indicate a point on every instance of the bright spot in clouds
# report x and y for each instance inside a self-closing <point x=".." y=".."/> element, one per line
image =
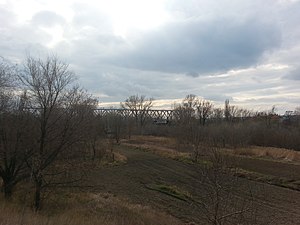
<point x="56" y="33"/>
<point x="135" y="14"/>
<point x="125" y="15"/>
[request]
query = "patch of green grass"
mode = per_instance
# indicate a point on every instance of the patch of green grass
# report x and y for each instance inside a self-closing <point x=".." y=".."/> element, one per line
<point x="206" y="163"/>
<point x="184" y="159"/>
<point x="172" y="191"/>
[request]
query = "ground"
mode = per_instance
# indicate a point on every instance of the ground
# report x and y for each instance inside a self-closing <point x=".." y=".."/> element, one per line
<point x="155" y="183"/>
<point x="143" y="170"/>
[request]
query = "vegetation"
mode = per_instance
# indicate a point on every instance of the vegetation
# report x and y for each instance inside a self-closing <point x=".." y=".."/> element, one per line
<point x="54" y="145"/>
<point x="93" y="209"/>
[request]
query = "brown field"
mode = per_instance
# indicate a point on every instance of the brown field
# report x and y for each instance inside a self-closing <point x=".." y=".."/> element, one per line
<point x="154" y="185"/>
<point x="90" y="209"/>
<point x="280" y="154"/>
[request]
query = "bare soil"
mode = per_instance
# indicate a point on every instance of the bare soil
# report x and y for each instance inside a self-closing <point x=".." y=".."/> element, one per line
<point x="275" y="205"/>
<point x="268" y="167"/>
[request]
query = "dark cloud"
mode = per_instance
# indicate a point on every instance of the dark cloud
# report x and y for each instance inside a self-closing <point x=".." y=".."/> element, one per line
<point x="47" y="19"/>
<point x="192" y="74"/>
<point x="202" y="46"/>
<point x="216" y="97"/>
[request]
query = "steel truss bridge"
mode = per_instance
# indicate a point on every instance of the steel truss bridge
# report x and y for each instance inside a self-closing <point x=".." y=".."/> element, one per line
<point x="162" y="114"/>
<point x="151" y="113"/>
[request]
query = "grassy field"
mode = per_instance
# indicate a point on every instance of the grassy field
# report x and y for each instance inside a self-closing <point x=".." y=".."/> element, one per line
<point x="155" y="183"/>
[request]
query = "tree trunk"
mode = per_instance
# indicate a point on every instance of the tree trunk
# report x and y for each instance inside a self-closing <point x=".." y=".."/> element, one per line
<point x="94" y="150"/>
<point x="7" y="189"/>
<point x="37" y="196"/>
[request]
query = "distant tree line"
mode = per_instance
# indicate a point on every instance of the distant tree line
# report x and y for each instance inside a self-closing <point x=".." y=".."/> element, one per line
<point x="196" y="122"/>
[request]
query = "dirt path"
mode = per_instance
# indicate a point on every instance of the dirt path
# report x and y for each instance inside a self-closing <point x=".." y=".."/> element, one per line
<point x="275" y="204"/>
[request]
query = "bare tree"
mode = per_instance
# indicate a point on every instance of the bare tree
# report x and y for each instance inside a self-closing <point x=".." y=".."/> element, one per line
<point x="95" y="134"/>
<point x="15" y="143"/>
<point x="60" y="116"/>
<point x="269" y="115"/>
<point x="220" y="203"/>
<point x="182" y="115"/>
<point x="217" y="114"/>
<point x="114" y="126"/>
<point x="14" y="131"/>
<point x="232" y="112"/>
<point x="204" y="109"/>
<point x="185" y="112"/>
<point x="194" y="107"/>
<point x="138" y="105"/>
<point x="196" y="140"/>
<point x="297" y="111"/>
<point x="190" y="101"/>
<point x="7" y="74"/>
<point x="297" y="116"/>
<point x="189" y="131"/>
<point x="227" y="110"/>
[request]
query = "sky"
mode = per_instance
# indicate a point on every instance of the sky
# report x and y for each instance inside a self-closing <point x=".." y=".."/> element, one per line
<point x="247" y="51"/>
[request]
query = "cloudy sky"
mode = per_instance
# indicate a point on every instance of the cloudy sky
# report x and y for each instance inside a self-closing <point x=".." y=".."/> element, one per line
<point x="247" y="51"/>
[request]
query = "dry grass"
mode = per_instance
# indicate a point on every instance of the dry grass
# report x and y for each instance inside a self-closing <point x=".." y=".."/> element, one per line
<point x="162" y="146"/>
<point x="87" y="209"/>
<point x="113" y="159"/>
<point x="167" y="147"/>
<point x="120" y="211"/>
<point x="269" y="152"/>
<point x="164" y="152"/>
<point x="67" y="207"/>
<point x="120" y="158"/>
<point x="162" y="141"/>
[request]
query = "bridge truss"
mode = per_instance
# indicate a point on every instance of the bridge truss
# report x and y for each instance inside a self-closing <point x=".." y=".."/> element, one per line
<point x="152" y="113"/>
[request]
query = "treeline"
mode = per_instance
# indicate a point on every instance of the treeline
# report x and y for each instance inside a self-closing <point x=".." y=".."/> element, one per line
<point x="197" y="121"/>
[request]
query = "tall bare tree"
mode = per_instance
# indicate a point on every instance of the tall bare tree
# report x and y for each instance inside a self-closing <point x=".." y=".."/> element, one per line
<point x="217" y="114"/>
<point x="138" y="105"/>
<point x="189" y="133"/>
<point x="232" y="112"/>
<point x="185" y="112"/>
<point x="204" y="109"/>
<point x="60" y="116"/>
<point x="227" y="110"/>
